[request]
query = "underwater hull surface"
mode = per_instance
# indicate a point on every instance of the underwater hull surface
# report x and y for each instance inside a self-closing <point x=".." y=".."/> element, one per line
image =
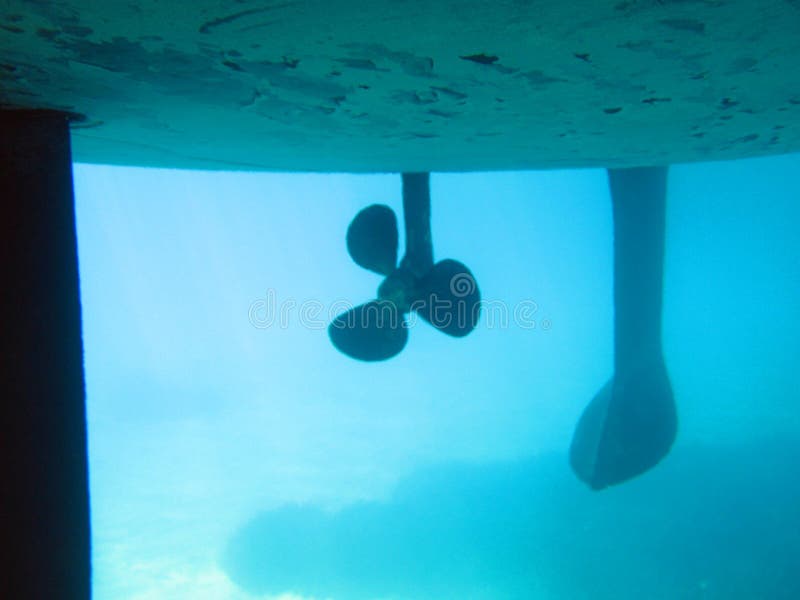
<point x="413" y="86"/>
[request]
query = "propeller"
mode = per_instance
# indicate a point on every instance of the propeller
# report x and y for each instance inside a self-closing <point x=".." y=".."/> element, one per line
<point x="445" y="294"/>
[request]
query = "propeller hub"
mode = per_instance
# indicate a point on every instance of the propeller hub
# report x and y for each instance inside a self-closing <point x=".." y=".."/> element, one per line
<point x="399" y="287"/>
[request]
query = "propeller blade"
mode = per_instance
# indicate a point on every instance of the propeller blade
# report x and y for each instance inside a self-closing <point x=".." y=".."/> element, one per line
<point x="450" y="300"/>
<point x="373" y="331"/>
<point x="372" y="239"/>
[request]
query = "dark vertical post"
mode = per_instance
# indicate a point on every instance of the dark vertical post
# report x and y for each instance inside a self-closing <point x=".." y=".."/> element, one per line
<point x="417" y="216"/>
<point x="45" y="501"/>
<point x="631" y="423"/>
<point x="638" y="197"/>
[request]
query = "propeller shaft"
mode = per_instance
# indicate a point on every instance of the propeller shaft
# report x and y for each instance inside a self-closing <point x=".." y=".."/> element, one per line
<point x="417" y="216"/>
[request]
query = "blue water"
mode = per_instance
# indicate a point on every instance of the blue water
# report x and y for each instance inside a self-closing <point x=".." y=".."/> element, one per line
<point x="235" y="454"/>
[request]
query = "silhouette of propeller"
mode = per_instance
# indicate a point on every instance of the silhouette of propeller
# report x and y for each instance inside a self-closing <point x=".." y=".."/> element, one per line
<point x="445" y="293"/>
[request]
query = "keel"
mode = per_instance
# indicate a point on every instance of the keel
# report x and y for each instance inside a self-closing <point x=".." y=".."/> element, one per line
<point x="630" y="425"/>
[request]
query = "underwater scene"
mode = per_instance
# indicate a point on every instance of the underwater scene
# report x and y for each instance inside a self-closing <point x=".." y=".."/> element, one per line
<point x="242" y="447"/>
